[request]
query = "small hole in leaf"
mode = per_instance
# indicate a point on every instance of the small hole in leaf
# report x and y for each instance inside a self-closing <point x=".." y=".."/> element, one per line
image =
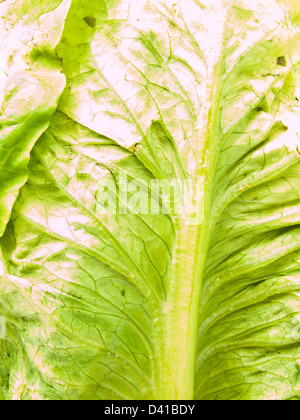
<point x="281" y="61"/>
<point x="91" y="21"/>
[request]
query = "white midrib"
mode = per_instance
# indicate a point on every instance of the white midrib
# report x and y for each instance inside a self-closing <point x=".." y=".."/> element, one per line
<point x="177" y="333"/>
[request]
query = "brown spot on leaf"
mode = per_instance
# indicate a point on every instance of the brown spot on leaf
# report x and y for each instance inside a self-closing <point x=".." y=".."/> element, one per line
<point x="133" y="148"/>
<point x="91" y="21"/>
<point x="281" y="61"/>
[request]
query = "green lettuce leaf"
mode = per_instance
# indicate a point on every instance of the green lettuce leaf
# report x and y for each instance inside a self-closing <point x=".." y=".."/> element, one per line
<point x="106" y="294"/>
<point x="31" y="83"/>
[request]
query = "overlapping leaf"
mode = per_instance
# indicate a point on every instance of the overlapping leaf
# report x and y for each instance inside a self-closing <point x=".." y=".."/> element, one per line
<point x="30" y="85"/>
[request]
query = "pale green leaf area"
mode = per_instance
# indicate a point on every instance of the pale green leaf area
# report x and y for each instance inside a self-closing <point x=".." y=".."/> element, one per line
<point x="31" y="83"/>
<point x="102" y="303"/>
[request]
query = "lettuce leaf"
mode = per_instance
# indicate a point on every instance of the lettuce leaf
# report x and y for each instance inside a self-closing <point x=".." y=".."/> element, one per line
<point x="101" y="297"/>
<point x="31" y="83"/>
